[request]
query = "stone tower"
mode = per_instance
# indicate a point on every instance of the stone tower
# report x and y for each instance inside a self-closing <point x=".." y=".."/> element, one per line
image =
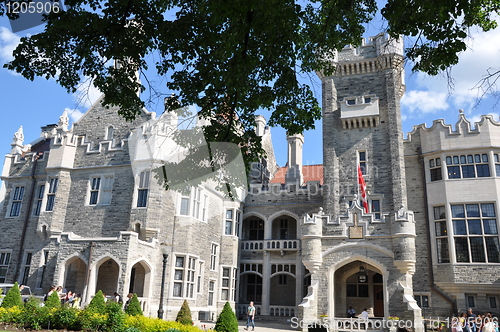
<point x="365" y="257"/>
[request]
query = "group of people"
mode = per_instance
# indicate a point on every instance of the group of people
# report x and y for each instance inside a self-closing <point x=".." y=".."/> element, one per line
<point x="66" y="297"/>
<point x="470" y="322"/>
<point x="72" y="299"/>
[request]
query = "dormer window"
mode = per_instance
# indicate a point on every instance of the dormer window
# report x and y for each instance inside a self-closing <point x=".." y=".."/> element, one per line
<point x="351" y="101"/>
<point x="368" y="100"/>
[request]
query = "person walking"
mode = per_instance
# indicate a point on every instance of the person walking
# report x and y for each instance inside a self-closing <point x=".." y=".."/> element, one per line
<point x="250" y="317"/>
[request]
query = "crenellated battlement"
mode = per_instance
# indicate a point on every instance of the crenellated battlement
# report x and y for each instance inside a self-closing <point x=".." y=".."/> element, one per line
<point x="372" y="47"/>
<point x="375" y="53"/>
<point x="462" y="127"/>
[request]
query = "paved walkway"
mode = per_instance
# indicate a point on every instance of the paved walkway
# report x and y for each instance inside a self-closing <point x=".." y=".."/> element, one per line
<point x="260" y="326"/>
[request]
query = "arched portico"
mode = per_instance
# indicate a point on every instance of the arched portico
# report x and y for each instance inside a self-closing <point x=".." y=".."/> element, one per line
<point x="346" y="288"/>
<point x="74" y="274"/>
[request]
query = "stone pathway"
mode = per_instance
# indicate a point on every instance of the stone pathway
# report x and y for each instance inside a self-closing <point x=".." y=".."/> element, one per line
<point x="260" y="326"/>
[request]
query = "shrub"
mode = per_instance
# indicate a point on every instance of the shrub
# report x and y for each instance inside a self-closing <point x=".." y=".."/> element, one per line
<point x="92" y="321"/>
<point x="10" y="315"/>
<point x="134" y="307"/>
<point x="116" y="317"/>
<point x="13" y="298"/>
<point x="184" y="315"/>
<point x="66" y="318"/>
<point x="147" y="324"/>
<point x="226" y="322"/>
<point x="53" y="301"/>
<point x="34" y="316"/>
<point x="97" y="304"/>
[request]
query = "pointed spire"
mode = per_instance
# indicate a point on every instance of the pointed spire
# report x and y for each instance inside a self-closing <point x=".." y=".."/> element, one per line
<point x="63" y="121"/>
<point x="17" y="141"/>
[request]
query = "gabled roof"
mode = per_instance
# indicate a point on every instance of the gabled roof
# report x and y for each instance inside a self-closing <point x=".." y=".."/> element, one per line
<point x="310" y="173"/>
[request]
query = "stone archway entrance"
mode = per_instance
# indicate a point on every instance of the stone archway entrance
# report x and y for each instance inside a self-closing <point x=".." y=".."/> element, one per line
<point x="358" y="285"/>
<point x="107" y="277"/>
<point x="75" y="274"/>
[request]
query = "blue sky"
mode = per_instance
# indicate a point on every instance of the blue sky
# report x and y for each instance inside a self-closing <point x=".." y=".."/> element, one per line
<point x="41" y="102"/>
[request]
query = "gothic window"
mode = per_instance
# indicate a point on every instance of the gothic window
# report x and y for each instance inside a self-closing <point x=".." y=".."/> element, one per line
<point x="184" y="276"/>
<point x="225" y="286"/>
<point x="109" y="133"/>
<point x="199" y="282"/>
<point x="191" y="205"/>
<point x="468" y="166"/>
<point x="229" y="222"/>
<point x="435" y="169"/>
<point x="441" y="233"/>
<point x="211" y="291"/>
<point x="142" y="189"/>
<point x="51" y="195"/>
<point x="362" y="162"/>
<point x="100" y="189"/>
<point x="475" y="233"/>
<point x="41" y="271"/>
<point x="4" y="265"/>
<point x="17" y="198"/>
<point x="26" y="268"/>
<point x="39" y="199"/>
<point x="213" y="256"/>
<point x="375" y="209"/>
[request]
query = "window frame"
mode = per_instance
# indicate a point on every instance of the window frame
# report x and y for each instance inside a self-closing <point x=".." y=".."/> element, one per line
<point x="469" y="228"/>
<point x="214" y="255"/>
<point x="16" y="201"/>
<point x="5" y="259"/>
<point x="51" y="191"/>
<point x="419" y="296"/>
<point x="184" y="276"/>
<point x="468" y="166"/>
<point x="103" y="192"/>
<point x="26" y="267"/>
<point x="40" y="194"/>
<point x="143" y="188"/>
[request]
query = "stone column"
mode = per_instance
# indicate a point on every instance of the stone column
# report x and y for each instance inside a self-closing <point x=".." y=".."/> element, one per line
<point x="266" y="283"/>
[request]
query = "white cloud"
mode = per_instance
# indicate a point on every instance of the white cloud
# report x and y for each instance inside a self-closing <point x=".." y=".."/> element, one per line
<point x="8" y="42"/>
<point x="483" y="55"/>
<point x="417" y="101"/>
<point x="74" y="114"/>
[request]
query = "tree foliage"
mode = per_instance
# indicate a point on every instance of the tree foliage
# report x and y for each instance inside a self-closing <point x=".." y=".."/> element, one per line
<point x="184" y="315"/>
<point x="233" y="58"/>
<point x="12" y="298"/>
<point x="226" y="322"/>
<point x="441" y="28"/>
<point x="134" y="307"/>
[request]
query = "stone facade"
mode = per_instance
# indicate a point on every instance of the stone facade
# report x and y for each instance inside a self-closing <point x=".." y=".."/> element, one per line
<point x="86" y="208"/>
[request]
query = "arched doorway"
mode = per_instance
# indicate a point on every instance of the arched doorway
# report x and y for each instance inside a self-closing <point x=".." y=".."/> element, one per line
<point x="358" y="285"/>
<point x="75" y="274"/>
<point x="139" y="279"/>
<point x="107" y="277"/>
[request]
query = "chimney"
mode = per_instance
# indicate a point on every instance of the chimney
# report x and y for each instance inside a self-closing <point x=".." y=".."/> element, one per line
<point x="294" y="171"/>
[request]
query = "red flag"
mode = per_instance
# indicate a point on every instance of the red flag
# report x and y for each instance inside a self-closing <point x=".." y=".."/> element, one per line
<point x="362" y="186"/>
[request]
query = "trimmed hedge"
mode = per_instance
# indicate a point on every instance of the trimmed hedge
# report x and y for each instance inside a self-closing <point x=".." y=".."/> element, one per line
<point x="34" y="316"/>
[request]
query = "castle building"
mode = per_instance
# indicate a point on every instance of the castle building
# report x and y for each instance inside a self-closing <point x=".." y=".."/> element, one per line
<point x="404" y="227"/>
